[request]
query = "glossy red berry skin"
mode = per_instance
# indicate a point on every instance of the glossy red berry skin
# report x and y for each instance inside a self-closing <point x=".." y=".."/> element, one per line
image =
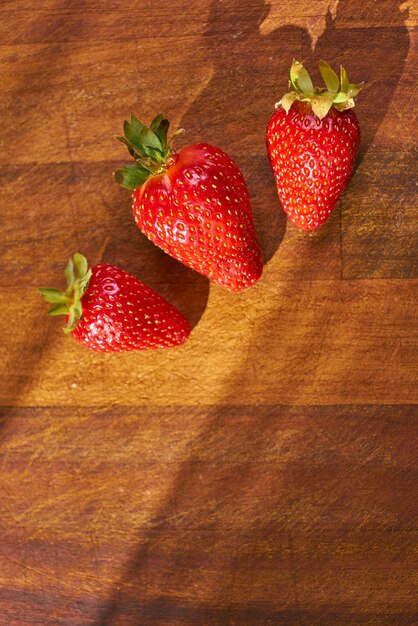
<point x="121" y="314"/>
<point x="312" y="160"/>
<point x="199" y="212"/>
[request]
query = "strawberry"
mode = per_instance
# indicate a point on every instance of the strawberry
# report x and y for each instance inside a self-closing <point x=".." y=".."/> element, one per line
<point x="312" y="142"/>
<point x="108" y="310"/>
<point x="194" y="204"/>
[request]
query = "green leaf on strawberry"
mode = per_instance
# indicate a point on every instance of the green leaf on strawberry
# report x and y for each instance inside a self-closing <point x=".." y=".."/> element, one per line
<point x="150" y="148"/>
<point x="80" y="265"/>
<point x="162" y="131"/>
<point x="132" y="176"/>
<point x="53" y="295"/>
<point x="338" y="91"/>
<point x="68" y="302"/>
<point x="59" y="309"/>
<point x="329" y="76"/>
<point x="136" y="124"/>
<point x="288" y="99"/>
<point x="321" y="104"/>
<point x="147" y="138"/>
<point x="160" y="126"/>
<point x="300" y="79"/>
<point x="343" y="79"/>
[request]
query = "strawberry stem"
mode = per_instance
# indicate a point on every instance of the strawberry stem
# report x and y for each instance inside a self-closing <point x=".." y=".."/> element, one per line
<point x="68" y="302"/>
<point x="338" y="92"/>
<point x="149" y="147"/>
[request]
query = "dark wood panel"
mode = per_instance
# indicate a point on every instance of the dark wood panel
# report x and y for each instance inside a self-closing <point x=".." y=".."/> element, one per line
<point x="280" y="514"/>
<point x="379" y="220"/>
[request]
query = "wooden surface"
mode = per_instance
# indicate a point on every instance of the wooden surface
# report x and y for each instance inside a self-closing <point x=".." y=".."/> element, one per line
<point x="266" y="472"/>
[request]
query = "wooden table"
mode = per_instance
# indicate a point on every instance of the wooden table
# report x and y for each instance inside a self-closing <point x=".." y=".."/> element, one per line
<point x="265" y="472"/>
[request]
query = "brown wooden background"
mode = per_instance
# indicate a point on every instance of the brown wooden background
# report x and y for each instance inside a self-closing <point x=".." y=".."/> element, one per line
<point x="264" y="473"/>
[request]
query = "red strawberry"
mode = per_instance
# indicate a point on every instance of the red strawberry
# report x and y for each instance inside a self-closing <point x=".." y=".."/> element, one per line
<point x="108" y="310"/>
<point x="312" y="142"/>
<point x="194" y="204"/>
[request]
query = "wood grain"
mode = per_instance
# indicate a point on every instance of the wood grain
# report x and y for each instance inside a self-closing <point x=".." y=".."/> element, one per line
<point x="265" y="472"/>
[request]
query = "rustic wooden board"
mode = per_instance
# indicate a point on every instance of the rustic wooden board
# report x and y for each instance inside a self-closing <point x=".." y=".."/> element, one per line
<point x="265" y="472"/>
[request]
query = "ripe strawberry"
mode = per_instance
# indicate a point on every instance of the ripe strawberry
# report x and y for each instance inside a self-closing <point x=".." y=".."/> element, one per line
<point x="108" y="310"/>
<point x="312" y="142"/>
<point x="194" y="204"/>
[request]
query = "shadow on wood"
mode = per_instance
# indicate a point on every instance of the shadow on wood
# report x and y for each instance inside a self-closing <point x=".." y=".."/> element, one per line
<point x="375" y="55"/>
<point x="244" y="513"/>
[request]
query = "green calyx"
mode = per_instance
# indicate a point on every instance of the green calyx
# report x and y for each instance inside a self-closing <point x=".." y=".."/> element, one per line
<point x="68" y="302"/>
<point x="338" y="92"/>
<point x="150" y="148"/>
